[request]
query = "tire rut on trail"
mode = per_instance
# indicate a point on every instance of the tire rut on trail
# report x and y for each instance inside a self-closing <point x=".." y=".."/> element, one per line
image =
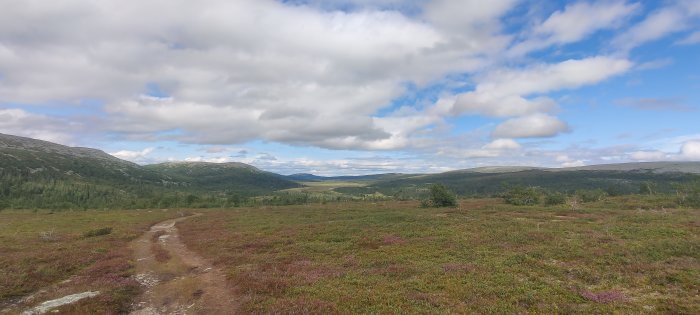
<point x="177" y="280"/>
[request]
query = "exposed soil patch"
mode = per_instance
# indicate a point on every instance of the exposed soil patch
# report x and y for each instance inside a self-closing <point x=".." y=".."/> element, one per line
<point x="175" y="279"/>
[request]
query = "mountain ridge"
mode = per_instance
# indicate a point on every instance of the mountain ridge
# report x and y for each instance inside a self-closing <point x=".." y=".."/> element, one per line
<point x="37" y="173"/>
<point x="41" y="174"/>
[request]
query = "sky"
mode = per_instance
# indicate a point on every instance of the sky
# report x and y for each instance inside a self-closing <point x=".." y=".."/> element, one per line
<point x="349" y="87"/>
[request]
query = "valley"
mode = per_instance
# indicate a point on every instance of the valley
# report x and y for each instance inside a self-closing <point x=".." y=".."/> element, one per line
<point x="85" y="232"/>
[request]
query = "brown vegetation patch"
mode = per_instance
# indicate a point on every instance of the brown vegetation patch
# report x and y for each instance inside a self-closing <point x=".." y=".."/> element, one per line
<point x="288" y="232"/>
<point x="303" y="305"/>
<point x="115" y="266"/>
<point x="430" y="298"/>
<point x="604" y="296"/>
<point x="310" y="272"/>
<point x="160" y="253"/>
<point x="156" y="236"/>
<point x="458" y="268"/>
<point x="476" y="204"/>
<point x="259" y="282"/>
<point x="257" y="245"/>
<point x="274" y="278"/>
<point x="392" y="239"/>
<point x="350" y="261"/>
<point x="367" y="242"/>
<point x="394" y="271"/>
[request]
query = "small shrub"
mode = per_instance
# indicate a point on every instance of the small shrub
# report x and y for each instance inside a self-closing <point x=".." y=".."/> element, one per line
<point x="693" y="200"/>
<point x="591" y="195"/>
<point x="440" y="196"/>
<point x="555" y="198"/>
<point x="522" y="196"/>
<point x="615" y="190"/>
<point x="647" y="188"/>
<point x="689" y="194"/>
<point x="98" y="232"/>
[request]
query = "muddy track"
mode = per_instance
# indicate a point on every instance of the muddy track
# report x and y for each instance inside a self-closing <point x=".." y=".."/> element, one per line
<point x="175" y="279"/>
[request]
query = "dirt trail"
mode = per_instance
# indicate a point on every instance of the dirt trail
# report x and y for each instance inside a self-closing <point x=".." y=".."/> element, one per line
<point x="177" y="280"/>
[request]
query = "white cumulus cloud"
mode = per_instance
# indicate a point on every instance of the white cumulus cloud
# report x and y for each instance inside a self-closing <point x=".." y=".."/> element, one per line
<point x="648" y="155"/>
<point x="531" y="126"/>
<point x="574" y="23"/>
<point x="690" y="150"/>
<point x="19" y="122"/>
<point x="502" y="144"/>
<point x="660" y="23"/>
<point x="134" y="156"/>
<point x="504" y="92"/>
<point x="236" y="71"/>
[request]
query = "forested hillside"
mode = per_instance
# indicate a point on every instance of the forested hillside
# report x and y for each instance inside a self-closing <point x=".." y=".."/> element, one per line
<point x="478" y="183"/>
<point x="39" y="174"/>
<point x="240" y="177"/>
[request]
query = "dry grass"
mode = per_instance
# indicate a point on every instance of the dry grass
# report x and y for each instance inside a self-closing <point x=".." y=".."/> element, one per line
<point x="161" y="255"/>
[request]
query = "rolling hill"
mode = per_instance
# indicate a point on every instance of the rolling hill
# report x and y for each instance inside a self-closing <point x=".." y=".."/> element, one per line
<point x="224" y="176"/>
<point x="618" y="178"/>
<point x="40" y="174"/>
<point x="653" y="167"/>
<point x="34" y="159"/>
<point x="305" y="177"/>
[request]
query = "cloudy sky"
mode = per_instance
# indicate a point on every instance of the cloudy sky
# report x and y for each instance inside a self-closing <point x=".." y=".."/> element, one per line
<point x="356" y="86"/>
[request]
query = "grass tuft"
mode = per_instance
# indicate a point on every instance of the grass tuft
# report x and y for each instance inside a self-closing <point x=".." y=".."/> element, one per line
<point x="98" y="232"/>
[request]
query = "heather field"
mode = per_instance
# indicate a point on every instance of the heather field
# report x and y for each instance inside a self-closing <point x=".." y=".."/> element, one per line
<point x="44" y="255"/>
<point x="618" y="256"/>
<point x="628" y="254"/>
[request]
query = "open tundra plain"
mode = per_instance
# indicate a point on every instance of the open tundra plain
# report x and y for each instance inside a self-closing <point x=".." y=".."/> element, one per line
<point x="387" y="257"/>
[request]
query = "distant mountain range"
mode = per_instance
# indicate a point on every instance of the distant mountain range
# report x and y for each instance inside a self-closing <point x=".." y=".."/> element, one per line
<point x="617" y="179"/>
<point x="305" y="177"/>
<point x="623" y="178"/>
<point x="41" y="174"/>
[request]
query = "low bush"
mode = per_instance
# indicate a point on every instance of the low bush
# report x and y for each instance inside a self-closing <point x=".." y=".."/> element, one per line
<point x="522" y="196"/>
<point x="440" y="196"/>
<point x="591" y="195"/>
<point x="554" y="198"/>
<point x="689" y="194"/>
<point x="98" y="232"/>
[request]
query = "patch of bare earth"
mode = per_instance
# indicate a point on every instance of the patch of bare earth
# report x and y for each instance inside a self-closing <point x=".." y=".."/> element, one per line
<point x="175" y="279"/>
